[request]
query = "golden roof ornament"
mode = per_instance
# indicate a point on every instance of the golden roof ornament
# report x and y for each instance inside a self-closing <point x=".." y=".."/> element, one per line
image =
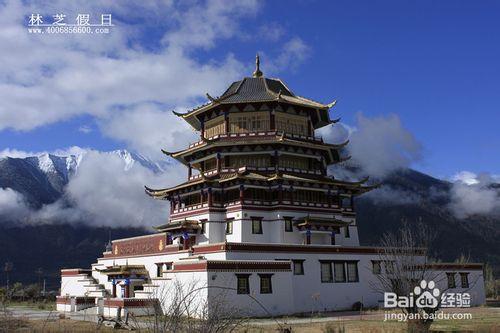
<point x="257" y="72"/>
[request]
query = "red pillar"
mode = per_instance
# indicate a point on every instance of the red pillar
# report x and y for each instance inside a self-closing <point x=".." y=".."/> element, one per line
<point x="210" y="197"/>
<point x="113" y="291"/>
<point x="242" y="193"/>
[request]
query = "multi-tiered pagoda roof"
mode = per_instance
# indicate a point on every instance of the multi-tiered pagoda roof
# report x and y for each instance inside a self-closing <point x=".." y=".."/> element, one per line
<point x="257" y="147"/>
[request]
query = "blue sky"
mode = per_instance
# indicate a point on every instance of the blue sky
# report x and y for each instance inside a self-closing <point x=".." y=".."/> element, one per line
<point x="435" y="64"/>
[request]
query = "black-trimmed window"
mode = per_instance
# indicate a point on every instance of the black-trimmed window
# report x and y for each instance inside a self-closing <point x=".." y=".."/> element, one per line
<point x="266" y="286"/>
<point x="159" y="270"/>
<point x="339" y="269"/>
<point x="326" y="272"/>
<point x="203" y="225"/>
<point x="451" y="280"/>
<point x="347" y="233"/>
<point x="229" y="227"/>
<point x="288" y="224"/>
<point x="464" y="280"/>
<point x="256" y="225"/>
<point x="298" y="267"/>
<point x="243" y="283"/>
<point x="376" y="267"/>
<point x="352" y="271"/>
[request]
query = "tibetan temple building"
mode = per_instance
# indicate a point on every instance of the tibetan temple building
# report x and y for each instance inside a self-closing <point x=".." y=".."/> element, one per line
<point x="257" y="215"/>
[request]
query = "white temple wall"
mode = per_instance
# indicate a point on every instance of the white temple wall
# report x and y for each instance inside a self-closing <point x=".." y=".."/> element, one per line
<point x="273" y="227"/>
<point x="310" y="294"/>
<point x="72" y="285"/>
<point x="476" y="284"/>
<point x="193" y="291"/>
<point x="353" y="240"/>
<point x="279" y="302"/>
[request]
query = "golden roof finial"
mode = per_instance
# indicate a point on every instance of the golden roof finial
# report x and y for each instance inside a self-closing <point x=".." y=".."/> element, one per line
<point x="257" y="72"/>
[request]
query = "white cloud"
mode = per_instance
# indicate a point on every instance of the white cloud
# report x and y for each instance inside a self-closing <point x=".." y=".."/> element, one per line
<point x="388" y="195"/>
<point x="148" y="129"/>
<point x="469" y="200"/>
<point x="12" y="204"/>
<point x="15" y="153"/>
<point x="104" y="191"/>
<point x="271" y="31"/>
<point x="466" y="177"/>
<point x="107" y="194"/>
<point x="377" y="145"/>
<point x="49" y="78"/>
<point x="473" y="194"/>
<point x="204" y="23"/>
<point x="85" y="129"/>
<point x="292" y="54"/>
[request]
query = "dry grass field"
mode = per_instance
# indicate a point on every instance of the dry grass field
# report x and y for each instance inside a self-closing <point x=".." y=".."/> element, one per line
<point x="484" y="320"/>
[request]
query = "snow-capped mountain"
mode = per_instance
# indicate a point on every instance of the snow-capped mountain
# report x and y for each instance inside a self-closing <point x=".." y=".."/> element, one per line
<point x="41" y="179"/>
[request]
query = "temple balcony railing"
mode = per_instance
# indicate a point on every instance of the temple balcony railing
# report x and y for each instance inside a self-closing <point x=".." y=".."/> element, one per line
<point x="295" y="203"/>
<point x="252" y="168"/>
<point x="260" y="202"/>
<point x="189" y="208"/>
<point x="258" y="134"/>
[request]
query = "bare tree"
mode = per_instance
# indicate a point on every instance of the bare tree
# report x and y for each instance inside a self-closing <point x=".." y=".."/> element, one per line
<point x="194" y="307"/>
<point x="404" y="261"/>
<point x="185" y="308"/>
<point x="405" y="258"/>
<point x="7" y="268"/>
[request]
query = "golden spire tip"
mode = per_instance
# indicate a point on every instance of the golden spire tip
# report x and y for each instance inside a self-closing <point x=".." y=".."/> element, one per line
<point x="257" y="72"/>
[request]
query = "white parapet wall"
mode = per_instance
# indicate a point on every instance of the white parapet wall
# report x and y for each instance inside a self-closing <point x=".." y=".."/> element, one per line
<point x="134" y="306"/>
<point x="73" y="281"/>
<point x="73" y="303"/>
